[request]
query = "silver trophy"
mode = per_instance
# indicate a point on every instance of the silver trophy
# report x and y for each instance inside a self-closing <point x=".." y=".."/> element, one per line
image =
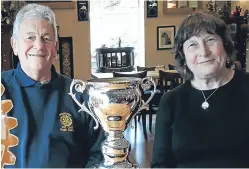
<point x="112" y="103"/>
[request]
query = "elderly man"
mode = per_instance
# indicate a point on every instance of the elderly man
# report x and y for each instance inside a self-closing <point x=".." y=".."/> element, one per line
<point x="50" y="130"/>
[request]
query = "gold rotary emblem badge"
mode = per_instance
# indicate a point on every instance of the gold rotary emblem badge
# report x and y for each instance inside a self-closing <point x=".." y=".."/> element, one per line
<point x="7" y="140"/>
<point x="66" y="122"/>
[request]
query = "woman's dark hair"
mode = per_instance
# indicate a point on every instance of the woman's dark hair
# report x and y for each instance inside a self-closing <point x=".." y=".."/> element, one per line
<point x="191" y="26"/>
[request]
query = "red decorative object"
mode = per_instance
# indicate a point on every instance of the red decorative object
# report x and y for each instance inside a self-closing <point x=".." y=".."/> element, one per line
<point x="237" y="11"/>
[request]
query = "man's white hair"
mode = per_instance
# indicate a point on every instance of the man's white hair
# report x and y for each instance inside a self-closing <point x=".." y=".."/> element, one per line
<point x="34" y="11"/>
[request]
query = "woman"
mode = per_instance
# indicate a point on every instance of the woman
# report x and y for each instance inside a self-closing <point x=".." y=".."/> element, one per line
<point x="205" y="121"/>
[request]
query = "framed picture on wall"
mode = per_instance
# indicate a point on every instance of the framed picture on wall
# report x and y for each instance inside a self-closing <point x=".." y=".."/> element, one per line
<point x="66" y="56"/>
<point x="152" y="9"/>
<point x="165" y="37"/>
<point x="83" y="10"/>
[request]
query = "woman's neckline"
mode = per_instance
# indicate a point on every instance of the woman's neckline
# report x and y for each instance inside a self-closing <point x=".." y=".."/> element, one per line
<point x="225" y="83"/>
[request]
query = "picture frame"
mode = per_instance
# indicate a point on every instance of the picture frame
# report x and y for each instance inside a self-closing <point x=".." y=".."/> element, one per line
<point x="152" y="9"/>
<point x="66" y="56"/>
<point x="55" y="4"/>
<point x="83" y="10"/>
<point x="181" y="7"/>
<point x="165" y="37"/>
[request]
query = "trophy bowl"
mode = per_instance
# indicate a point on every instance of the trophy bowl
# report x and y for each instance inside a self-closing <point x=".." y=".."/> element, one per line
<point x="112" y="103"/>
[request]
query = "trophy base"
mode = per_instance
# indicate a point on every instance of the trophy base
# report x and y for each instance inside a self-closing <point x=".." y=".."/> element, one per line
<point x="117" y="165"/>
<point x="115" y="151"/>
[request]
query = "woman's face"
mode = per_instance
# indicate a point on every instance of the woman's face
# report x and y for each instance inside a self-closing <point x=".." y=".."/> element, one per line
<point x="205" y="54"/>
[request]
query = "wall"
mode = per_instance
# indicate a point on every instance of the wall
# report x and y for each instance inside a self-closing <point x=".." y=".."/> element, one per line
<point x="164" y="57"/>
<point x="244" y="4"/>
<point x="153" y="56"/>
<point x="80" y="32"/>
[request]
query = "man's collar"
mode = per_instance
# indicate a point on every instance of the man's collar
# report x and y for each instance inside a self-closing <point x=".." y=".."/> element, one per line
<point x="24" y="80"/>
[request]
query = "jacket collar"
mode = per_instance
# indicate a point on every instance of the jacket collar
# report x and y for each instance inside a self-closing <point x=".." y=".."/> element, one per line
<point x="24" y="80"/>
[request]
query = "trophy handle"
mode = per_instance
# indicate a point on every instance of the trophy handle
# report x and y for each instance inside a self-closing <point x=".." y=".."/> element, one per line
<point x="146" y="84"/>
<point x="80" y="86"/>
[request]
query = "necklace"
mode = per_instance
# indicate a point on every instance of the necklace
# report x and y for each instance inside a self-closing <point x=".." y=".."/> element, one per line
<point x="205" y="104"/>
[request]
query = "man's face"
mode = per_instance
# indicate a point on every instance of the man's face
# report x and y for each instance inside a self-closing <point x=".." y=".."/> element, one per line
<point x="35" y="44"/>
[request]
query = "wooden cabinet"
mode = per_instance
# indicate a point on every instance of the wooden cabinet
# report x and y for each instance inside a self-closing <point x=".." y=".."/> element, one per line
<point x="6" y="50"/>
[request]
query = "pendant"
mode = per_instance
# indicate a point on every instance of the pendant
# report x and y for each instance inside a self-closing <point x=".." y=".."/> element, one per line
<point x="205" y="105"/>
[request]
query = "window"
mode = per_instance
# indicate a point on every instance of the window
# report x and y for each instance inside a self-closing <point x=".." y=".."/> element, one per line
<point x="115" y="23"/>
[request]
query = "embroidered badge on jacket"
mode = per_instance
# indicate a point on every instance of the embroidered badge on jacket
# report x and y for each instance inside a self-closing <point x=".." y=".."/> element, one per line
<point x="66" y="122"/>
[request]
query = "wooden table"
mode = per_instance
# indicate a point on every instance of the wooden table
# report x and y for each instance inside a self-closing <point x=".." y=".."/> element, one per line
<point x="154" y="74"/>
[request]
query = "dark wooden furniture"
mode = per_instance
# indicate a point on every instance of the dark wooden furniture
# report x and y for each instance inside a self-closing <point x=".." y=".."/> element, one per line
<point x="168" y="81"/>
<point x="118" y="58"/>
<point x="111" y="70"/>
<point x="139" y="68"/>
<point x="171" y="67"/>
<point x="239" y="37"/>
<point x="239" y="29"/>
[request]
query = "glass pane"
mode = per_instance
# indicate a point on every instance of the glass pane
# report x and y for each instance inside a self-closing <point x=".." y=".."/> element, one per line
<point x="119" y="59"/>
<point x="109" y="20"/>
<point x="182" y="4"/>
<point x="171" y="4"/>
<point x="193" y="4"/>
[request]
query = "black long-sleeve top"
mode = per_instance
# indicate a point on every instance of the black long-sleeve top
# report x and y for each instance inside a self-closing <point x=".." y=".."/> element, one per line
<point x="188" y="136"/>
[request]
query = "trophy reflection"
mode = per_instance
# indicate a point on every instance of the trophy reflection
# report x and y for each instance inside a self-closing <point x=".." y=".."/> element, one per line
<point x="112" y="103"/>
